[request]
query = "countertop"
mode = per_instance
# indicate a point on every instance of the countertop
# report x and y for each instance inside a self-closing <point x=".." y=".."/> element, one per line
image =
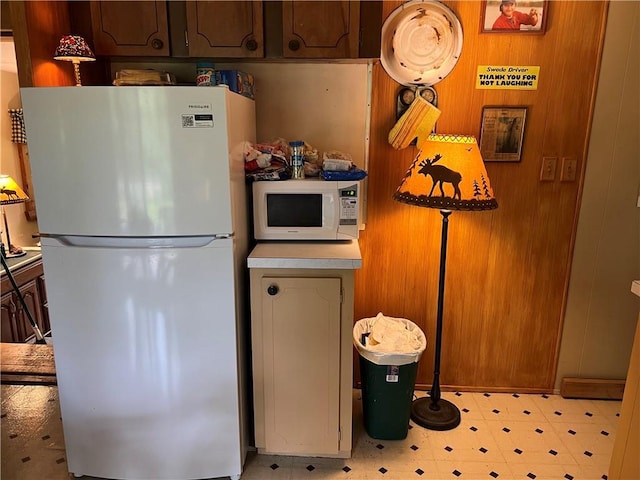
<point x="306" y="254"/>
<point x="33" y="254"/>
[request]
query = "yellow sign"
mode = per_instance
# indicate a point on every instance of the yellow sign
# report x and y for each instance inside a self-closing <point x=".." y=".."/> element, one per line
<point x="507" y="77"/>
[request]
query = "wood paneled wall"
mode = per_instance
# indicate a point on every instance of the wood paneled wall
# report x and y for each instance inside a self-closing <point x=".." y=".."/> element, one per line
<point x="507" y="269"/>
<point x="37" y="29"/>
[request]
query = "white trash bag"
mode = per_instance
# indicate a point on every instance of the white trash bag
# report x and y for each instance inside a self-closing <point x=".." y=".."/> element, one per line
<point x="390" y="340"/>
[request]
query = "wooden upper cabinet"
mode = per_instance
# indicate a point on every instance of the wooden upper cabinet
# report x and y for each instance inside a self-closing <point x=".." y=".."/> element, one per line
<point x="225" y="29"/>
<point x="316" y="29"/>
<point x="236" y="29"/>
<point x="130" y="28"/>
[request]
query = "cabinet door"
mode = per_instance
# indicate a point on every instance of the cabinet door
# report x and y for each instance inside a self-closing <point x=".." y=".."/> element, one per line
<point x="301" y="341"/>
<point x="138" y="28"/>
<point x="31" y="297"/>
<point x="225" y="29"/>
<point x="9" y="307"/>
<point x="315" y="29"/>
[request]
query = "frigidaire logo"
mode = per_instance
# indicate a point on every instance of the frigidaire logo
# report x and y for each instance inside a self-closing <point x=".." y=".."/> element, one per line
<point x="203" y="106"/>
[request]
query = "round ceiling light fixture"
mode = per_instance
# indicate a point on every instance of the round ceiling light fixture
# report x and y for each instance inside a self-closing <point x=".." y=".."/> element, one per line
<point x="421" y="43"/>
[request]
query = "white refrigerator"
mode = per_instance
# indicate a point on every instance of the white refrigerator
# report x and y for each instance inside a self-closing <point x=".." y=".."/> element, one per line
<point x="142" y="212"/>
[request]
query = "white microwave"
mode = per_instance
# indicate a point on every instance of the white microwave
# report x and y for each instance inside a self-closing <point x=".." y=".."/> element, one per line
<point x="309" y="209"/>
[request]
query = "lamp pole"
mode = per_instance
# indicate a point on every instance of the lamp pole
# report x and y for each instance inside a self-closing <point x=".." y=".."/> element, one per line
<point x="435" y="387"/>
<point x="6" y="229"/>
<point x="434" y="412"/>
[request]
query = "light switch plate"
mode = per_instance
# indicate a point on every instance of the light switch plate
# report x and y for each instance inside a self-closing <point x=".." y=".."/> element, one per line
<point x="569" y="169"/>
<point x="548" y="169"/>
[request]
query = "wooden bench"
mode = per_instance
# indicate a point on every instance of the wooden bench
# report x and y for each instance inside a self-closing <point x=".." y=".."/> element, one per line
<point x="27" y="364"/>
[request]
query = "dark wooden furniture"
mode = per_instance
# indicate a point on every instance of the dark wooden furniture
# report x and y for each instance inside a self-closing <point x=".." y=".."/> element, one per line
<point x="313" y="29"/>
<point x="225" y="29"/>
<point x="232" y="29"/>
<point x="130" y="28"/>
<point x="15" y="326"/>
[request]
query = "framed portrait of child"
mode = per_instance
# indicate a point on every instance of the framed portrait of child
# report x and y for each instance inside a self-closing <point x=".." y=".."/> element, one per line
<point x="514" y="16"/>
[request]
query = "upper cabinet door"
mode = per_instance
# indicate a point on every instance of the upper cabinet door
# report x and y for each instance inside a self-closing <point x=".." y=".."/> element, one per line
<point x="130" y="28"/>
<point x="315" y="29"/>
<point x="225" y="29"/>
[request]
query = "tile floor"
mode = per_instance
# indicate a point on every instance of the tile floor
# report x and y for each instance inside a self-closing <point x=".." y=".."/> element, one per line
<point x="502" y="436"/>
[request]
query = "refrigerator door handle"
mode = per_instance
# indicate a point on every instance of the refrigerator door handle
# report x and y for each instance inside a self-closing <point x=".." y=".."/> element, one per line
<point x="135" y="242"/>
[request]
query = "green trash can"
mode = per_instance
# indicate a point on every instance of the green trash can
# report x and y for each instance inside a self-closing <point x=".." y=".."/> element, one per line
<point x="387" y="395"/>
<point x="388" y="373"/>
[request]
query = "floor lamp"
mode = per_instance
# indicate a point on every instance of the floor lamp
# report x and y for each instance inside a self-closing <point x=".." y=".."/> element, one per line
<point x="448" y="174"/>
<point x="10" y="193"/>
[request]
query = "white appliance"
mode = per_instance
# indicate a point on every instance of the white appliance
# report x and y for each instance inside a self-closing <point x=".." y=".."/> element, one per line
<point x="142" y="211"/>
<point x="309" y="209"/>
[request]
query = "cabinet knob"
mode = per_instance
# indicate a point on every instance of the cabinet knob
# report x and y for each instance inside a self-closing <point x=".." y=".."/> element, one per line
<point x="294" y="45"/>
<point x="252" y="45"/>
<point x="272" y="290"/>
<point x="156" y="43"/>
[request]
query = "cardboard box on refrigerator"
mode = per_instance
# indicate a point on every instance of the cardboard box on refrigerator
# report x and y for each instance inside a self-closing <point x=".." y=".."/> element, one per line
<point x="239" y="82"/>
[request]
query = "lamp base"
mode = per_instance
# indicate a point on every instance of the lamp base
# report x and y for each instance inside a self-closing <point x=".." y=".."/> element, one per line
<point x="21" y="253"/>
<point x="446" y="417"/>
<point x="13" y="252"/>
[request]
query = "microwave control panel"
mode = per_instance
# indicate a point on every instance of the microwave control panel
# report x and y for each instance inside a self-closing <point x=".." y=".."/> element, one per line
<point x="349" y="205"/>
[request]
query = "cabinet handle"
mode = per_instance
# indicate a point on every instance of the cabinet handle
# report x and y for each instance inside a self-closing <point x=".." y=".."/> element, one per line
<point x="252" y="45"/>
<point x="294" y="45"/>
<point x="272" y="290"/>
<point x="157" y="44"/>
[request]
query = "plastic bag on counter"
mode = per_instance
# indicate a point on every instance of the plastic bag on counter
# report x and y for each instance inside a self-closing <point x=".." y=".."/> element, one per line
<point x="261" y="166"/>
<point x="143" y="77"/>
<point x="312" y="161"/>
<point x="335" y="160"/>
<point x="311" y="154"/>
<point x="254" y="159"/>
<point x="270" y="174"/>
<point x="311" y="169"/>
<point x="278" y="146"/>
<point x="337" y="165"/>
<point x="354" y="173"/>
<point x="266" y="161"/>
<point x="335" y="155"/>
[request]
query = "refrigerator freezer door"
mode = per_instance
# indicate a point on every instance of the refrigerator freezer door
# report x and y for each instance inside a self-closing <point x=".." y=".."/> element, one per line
<point x="132" y="161"/>
<point x="146" y="358"/>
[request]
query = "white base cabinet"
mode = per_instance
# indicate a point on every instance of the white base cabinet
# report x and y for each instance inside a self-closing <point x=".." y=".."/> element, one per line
<point x="301" y="331"/>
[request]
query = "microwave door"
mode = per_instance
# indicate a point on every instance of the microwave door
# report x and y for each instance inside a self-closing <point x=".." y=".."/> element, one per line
<point x="294" y="210"/>
<point x="299" y="216"/>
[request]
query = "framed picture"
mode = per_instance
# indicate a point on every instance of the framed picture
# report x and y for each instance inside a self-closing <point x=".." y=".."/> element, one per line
<point x="502" y="133"/>
<point x="509" y="16"/>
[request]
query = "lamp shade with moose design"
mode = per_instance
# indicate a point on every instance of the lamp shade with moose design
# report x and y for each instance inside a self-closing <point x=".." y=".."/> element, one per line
<point x="10" y="192"/>
<point x="448" y="173"/>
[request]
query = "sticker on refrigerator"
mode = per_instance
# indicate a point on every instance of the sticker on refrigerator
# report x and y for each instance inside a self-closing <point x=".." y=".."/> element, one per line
<point x="393" y="372"/>
<point x="197" y="120"/>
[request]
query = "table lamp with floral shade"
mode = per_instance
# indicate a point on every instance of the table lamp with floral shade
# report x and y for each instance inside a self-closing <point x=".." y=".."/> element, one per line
<point x="74" y="48"/>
